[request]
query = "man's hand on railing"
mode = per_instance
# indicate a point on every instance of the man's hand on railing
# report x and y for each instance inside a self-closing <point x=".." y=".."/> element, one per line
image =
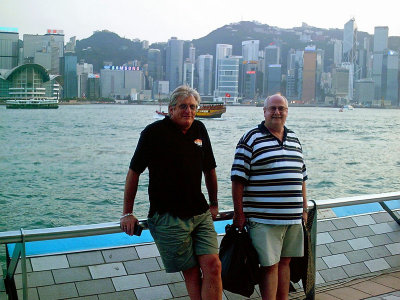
<point x="128" y="224"/>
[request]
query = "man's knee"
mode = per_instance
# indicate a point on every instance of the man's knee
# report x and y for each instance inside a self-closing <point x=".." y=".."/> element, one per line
<point x="210" y="264"/>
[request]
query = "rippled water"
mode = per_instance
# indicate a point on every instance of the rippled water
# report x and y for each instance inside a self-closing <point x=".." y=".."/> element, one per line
<point x="68" y="166"/>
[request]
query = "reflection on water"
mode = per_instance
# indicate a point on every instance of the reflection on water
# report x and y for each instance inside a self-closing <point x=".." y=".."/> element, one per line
<point x="68" y="167"/>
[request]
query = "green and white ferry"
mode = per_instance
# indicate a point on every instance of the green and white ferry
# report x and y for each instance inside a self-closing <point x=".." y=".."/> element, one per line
<point x="32" y="104"/>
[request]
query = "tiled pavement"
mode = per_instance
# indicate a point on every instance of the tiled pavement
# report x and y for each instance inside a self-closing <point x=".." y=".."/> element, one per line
<point x="357" y="258"/>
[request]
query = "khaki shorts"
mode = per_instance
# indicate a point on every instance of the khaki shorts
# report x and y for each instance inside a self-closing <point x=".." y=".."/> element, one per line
<point x="275" y="241"/>
<point x="180" y="241"/>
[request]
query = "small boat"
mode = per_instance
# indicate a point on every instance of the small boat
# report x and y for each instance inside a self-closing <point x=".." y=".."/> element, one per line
<point x="32" y="104"/>
<point x="348" y="107"/>
<point x="161" y="113"/>
<point x="211" y="110"/>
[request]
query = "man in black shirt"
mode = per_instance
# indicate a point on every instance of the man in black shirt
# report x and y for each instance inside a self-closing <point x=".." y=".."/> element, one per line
<point x="177" y="151"/>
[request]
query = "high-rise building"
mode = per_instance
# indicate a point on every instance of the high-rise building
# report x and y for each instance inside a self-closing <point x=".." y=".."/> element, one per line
<point x="309" y="75"/>
<point x="340" y="83"/>
<point x="68" y="71"/>
<point x="8" y="47"/>
<point x="205" y="67"/>
<point x="250" y="50"/>
<point x="294" y="74"/>
<point x="192" y="54"/>
<point x="93" y="86"/>
<point x="249" y="79"/>
<point x="82" y="71"/>
<point x="391" y="74"/>
<point x="337" y="52"/>
<point x="45" y="49"/>
<point x="274" y="79"/>
<point x="350" y="41"/>
<point x="381" y="34"/>
<point x="271" y="57"/>
<point x="364" y="91"/>
<point x="174" y="62"/>
<point x="188" y="73"/>
<point x="154" y="61"/>
<point x="222" y="51"/>
<point x="228" y="79"/>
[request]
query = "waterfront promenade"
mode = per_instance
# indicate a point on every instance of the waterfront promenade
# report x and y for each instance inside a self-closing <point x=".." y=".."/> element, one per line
<point x="358" y="257"/>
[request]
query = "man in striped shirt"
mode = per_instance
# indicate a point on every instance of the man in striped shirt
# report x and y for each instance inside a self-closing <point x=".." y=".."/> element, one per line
<point x="269" y="192"/>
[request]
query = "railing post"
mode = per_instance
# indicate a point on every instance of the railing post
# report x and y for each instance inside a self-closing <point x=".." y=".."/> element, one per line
<point x="313" y="249"/>
<point x="390" y="212"/>
<point x="9" y="281"/>
<point x="23" y="268"/>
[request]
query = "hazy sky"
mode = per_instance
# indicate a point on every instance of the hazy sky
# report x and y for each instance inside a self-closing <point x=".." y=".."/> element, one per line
<point x="158" y="20"/>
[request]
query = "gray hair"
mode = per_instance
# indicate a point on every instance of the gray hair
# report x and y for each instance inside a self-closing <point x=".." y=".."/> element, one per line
<point x="277" y="94"/>
<point x="182" y="92"/>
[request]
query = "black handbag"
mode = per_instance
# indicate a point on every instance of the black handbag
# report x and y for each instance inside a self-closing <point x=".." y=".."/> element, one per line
<point x="239" y="259"/>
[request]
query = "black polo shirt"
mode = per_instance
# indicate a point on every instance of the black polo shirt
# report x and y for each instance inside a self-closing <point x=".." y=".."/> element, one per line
<point x="176" y="162"/>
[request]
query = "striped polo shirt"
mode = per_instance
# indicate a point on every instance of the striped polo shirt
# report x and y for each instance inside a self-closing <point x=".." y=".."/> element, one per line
<point x="273" y="173"/>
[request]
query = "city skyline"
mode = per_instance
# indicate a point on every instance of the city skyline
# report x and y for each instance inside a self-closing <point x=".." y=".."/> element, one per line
<point x="142" y="20"/>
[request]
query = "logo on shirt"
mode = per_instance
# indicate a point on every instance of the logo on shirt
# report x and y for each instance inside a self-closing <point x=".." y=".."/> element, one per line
<point x="198" y="142"/>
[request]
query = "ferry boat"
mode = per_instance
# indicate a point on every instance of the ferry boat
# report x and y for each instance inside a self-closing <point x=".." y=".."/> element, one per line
<point x="211" y="110"/>
<point x="206" y="110"/>
<point x="32" y="103"/>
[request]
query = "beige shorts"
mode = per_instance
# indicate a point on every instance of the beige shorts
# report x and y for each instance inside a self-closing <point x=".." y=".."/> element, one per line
<point x="275" y="241"/>
<point x="180" y="241"/>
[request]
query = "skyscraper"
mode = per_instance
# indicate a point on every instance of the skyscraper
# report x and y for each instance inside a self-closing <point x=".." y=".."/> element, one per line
<point x="68" y="71"/>
<point x="250" y="51"/>
<point x="188" y="73"/>
<point x="192" y="54"/>
<point x="154" y="64"/>
<point x="222" y="51"/>
<point x="391" y="74"/>
<point x="205" y="65"/>
<point x="228" y="79"/>
<point x="174" y="62"/>
<point x="349" y="41"/>
<point x="271" y="57"/>
<point x="8" y="47"/>
<point x="381" y="34"/>
<point x="309" y="74"/>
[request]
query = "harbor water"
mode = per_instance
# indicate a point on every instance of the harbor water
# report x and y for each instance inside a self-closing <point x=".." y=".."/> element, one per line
<point x="68" y="166"/>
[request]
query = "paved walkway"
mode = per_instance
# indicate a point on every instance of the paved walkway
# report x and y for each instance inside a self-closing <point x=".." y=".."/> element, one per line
<point x="358" y="257"/>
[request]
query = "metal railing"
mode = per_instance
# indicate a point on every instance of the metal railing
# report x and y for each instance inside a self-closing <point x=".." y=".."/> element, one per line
<point x="21" y="237"/>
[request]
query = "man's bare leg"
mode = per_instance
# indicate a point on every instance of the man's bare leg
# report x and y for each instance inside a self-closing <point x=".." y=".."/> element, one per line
<point x="211" y="287"/>
<point x="283" y="279"/>
<point x="193" y="282"/>
<point x="269" y="282"/>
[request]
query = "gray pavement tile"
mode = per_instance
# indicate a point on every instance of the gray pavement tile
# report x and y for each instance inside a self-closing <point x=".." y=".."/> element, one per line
<point x="394" y="248"/>
<point x="178" y="289"/>
<point x="160" y="262"/>
<point x="32" y="294"/>
<point x="360" y="243"/>
<point x="142" y="265"/>
<point x="364" y="220"/>
<point x="35" y="279"/>
<point x="322" y="250"/>
<point x="161" y="277"/>
<point x="320" y="264"/>
<point x="324" y="226"/>
<point x="394" y="236"/>
<point x="394" y="225"/>
<point x="107" y="270"/>
<point x="381" y="228"/>
<point x="153" y="293"/>
<point x="333" y="274"/>
<point x="380" y="239"/>
<point x="357" y="256"/>
<point x="59" y="291"/>
<point x="94" y="287"/>
<point x="118" y="296"/>
<point x="362" y="231"/>
<point x="382" y="217"/>
<point x="339" y="247"/>
<point x="343" y="223"/>
<point x="232" y="296"/>
<point x="337" y="260"/>
<point x="393" y="261"/>
<point x="130" y="282"/>
<point x="85" y="258"/>
<point x="378" y="264"/>
<point x="120" y="254"/>
<point x="342" y="235"/>
<point x="356" y="269"/>
<point x="378" y="252"/>
<point x="71" y="274"/>
<point x="147" y="251"/>
<point x="324" y="238"/>
<point x="51" y="262"/>
<point x="318" y="278"/>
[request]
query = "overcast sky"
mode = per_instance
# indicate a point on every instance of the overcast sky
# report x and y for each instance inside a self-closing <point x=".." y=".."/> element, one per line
<point x="158" y="20"/>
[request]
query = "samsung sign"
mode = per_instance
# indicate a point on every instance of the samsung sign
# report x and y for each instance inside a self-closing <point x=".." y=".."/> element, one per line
<point x="122" y="68"/>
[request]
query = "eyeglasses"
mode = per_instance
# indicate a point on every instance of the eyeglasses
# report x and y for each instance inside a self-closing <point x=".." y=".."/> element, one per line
<point x="185" y="106"/>
<point x="281" y="109"/>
